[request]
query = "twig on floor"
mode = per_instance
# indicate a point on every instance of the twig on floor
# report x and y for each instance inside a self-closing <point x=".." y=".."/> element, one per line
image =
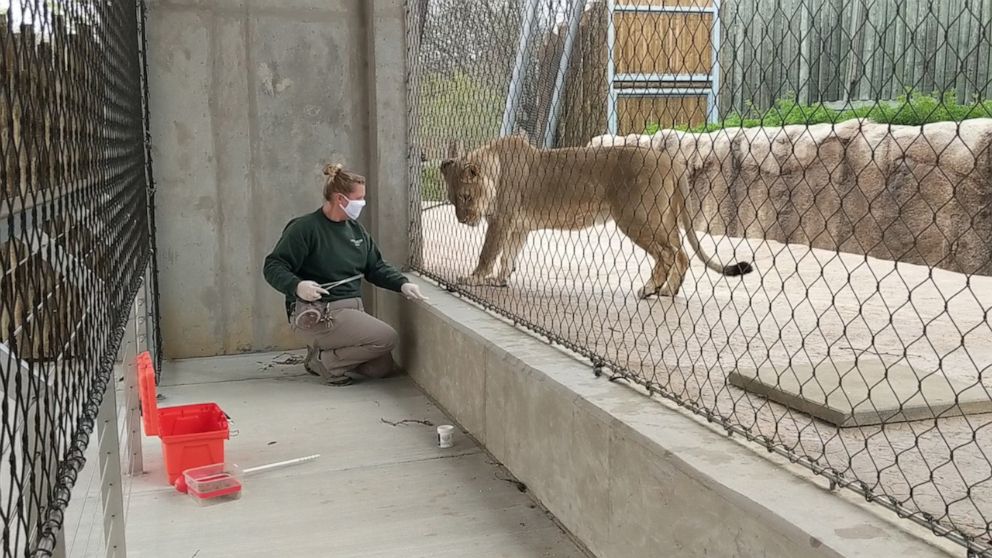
<point x="287" y="359"/>
<point x="407" y="421"/>
<point x="520" y="486"/>
<point x="873" y="351"/>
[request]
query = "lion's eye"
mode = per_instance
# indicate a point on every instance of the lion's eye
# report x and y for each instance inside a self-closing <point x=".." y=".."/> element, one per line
<point x="465" y="197"/>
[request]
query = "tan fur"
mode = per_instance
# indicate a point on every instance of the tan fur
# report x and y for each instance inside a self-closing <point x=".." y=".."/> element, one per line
<point x="518" y="189"/>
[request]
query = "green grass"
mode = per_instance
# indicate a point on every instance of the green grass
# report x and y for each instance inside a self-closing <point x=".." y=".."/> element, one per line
<point x="431" y="183"/>
<point x="910" y="110"/>
<point x="459" y="106"/>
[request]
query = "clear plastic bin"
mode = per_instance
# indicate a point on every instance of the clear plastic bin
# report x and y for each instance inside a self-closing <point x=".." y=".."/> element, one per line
<point x="219" y="482"/>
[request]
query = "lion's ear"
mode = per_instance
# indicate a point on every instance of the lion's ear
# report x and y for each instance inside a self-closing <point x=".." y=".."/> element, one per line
<point x="446" y="165"/>
<point x="472" y="171"/>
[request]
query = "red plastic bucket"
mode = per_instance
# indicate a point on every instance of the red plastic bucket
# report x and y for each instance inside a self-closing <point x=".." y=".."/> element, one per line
<point x="192" y="435"/>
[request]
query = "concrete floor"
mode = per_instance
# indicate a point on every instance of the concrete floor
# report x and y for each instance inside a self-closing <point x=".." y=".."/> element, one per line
<point x="377" y="489"/>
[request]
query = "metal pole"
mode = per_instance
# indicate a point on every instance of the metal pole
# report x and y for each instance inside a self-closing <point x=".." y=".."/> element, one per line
<point x="527" y="14"/>
<point x="38" y="439"/>
<point x="415" y="24"/>
<point x="575" y="18"/>
<point x="804" y="55"/>
<point x="111" y="483"/>
<point x="714" y="108"/>
<point x="854" y="62"/>
<point x="611" y="96"/>
<point x="132" y="400"/>
<point x="59" y="550"/>
<point x="151" y="320"/>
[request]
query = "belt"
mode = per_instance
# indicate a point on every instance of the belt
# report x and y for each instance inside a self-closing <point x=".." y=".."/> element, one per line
<point x="320" y="312"/>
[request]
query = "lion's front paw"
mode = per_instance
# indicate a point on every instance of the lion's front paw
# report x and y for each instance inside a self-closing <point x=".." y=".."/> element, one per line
<point x="480" y="281"/>
<point x="471" y="280"/>
<point x="647" y="291"/>
<point x="666" y="292"/>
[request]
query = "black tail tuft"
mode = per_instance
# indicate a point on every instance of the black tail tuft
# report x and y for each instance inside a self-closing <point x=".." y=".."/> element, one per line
<point x="739" y="268"/>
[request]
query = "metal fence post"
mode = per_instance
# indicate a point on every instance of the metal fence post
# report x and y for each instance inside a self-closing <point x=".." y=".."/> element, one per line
<point x="111" y="486"/>
<point x="132" y="399"/>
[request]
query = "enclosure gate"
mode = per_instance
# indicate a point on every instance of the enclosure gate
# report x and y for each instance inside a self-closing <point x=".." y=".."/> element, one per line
<point x="679" y="81"/>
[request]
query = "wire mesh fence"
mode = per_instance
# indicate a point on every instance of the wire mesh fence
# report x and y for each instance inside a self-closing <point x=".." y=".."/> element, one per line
<point x="74" y="233"/>
<point x="777" y="214"/>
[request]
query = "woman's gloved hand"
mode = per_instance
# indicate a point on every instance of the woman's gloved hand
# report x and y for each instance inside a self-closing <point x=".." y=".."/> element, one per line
<point x="309" y="291"/>
<point x="412" y="292"/>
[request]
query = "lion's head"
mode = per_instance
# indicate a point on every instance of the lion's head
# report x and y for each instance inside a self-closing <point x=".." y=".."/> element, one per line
<point x="471" y="188"/>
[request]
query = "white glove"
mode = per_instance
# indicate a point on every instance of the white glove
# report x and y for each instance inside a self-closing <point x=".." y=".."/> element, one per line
<point x="309" y="291"/>
<point x="412" y="292"/>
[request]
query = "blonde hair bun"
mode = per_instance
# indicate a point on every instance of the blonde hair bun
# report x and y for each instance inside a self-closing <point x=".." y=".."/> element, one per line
<point x="331" y="170"/>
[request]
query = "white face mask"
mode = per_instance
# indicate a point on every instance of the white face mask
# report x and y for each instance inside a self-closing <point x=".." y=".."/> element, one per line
<point x="354" y="208"/>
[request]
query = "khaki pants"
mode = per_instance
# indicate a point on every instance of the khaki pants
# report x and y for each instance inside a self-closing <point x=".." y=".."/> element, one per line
<point x="346" y="338"/>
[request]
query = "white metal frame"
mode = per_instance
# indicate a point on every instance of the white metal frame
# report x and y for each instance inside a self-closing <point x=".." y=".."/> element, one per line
<point x="115" y="434"/>
<point x="681" y="80"/>
<point x="132" y="397"/>
<point x="111" y="481"/>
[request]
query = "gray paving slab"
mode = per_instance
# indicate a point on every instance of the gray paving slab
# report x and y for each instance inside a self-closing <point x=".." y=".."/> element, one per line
<point x="865" y="392"/>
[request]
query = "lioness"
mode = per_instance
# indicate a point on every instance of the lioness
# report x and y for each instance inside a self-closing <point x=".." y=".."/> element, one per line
<point x="518" y="188"/>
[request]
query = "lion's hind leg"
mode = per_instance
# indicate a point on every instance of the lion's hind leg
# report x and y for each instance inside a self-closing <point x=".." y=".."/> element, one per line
<point x="676" y="274"/>
<point x="662" y="240"/>
<point x="664" y="264"/>
<point x="648" y="239"/>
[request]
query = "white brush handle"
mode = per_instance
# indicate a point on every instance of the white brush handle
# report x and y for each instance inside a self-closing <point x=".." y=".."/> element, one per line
<point x="281" y="464"/>
<point x="332" y="284"/>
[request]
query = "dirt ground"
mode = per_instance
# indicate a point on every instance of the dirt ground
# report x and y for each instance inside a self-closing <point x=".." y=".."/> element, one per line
<point x="800" y="306"/>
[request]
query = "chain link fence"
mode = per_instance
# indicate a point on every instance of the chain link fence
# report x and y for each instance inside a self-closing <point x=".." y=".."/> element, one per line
<point x="776" y="213"/>
<point x="74" y="239"/>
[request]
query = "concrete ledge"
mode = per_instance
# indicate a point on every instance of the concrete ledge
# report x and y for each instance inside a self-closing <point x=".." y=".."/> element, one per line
<point x="627" y="475"/>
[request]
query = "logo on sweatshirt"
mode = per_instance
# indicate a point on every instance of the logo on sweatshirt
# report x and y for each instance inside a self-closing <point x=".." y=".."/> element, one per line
<point x="357" y="241"/>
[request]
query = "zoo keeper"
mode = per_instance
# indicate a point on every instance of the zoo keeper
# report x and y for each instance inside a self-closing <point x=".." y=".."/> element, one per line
<point x="318" y="264"/>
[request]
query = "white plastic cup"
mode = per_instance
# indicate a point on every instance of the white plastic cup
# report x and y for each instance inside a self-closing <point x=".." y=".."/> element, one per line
<point x="445" y="436"/>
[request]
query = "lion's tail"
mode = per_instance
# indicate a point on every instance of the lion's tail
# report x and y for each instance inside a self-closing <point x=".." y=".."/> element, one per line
<point x="732" y="270"/>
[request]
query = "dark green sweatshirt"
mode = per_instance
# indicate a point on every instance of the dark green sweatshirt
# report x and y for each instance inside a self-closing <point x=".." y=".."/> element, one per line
<point x="314" y="248"/>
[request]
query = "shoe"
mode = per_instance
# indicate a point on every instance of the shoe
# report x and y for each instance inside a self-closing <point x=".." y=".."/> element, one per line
<point x="313" y="365"/>
<point x="312" y="362"/>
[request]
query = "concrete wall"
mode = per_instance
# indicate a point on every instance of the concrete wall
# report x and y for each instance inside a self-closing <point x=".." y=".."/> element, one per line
<point x="629" y="476"/>
<point x="249" y="99"/>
